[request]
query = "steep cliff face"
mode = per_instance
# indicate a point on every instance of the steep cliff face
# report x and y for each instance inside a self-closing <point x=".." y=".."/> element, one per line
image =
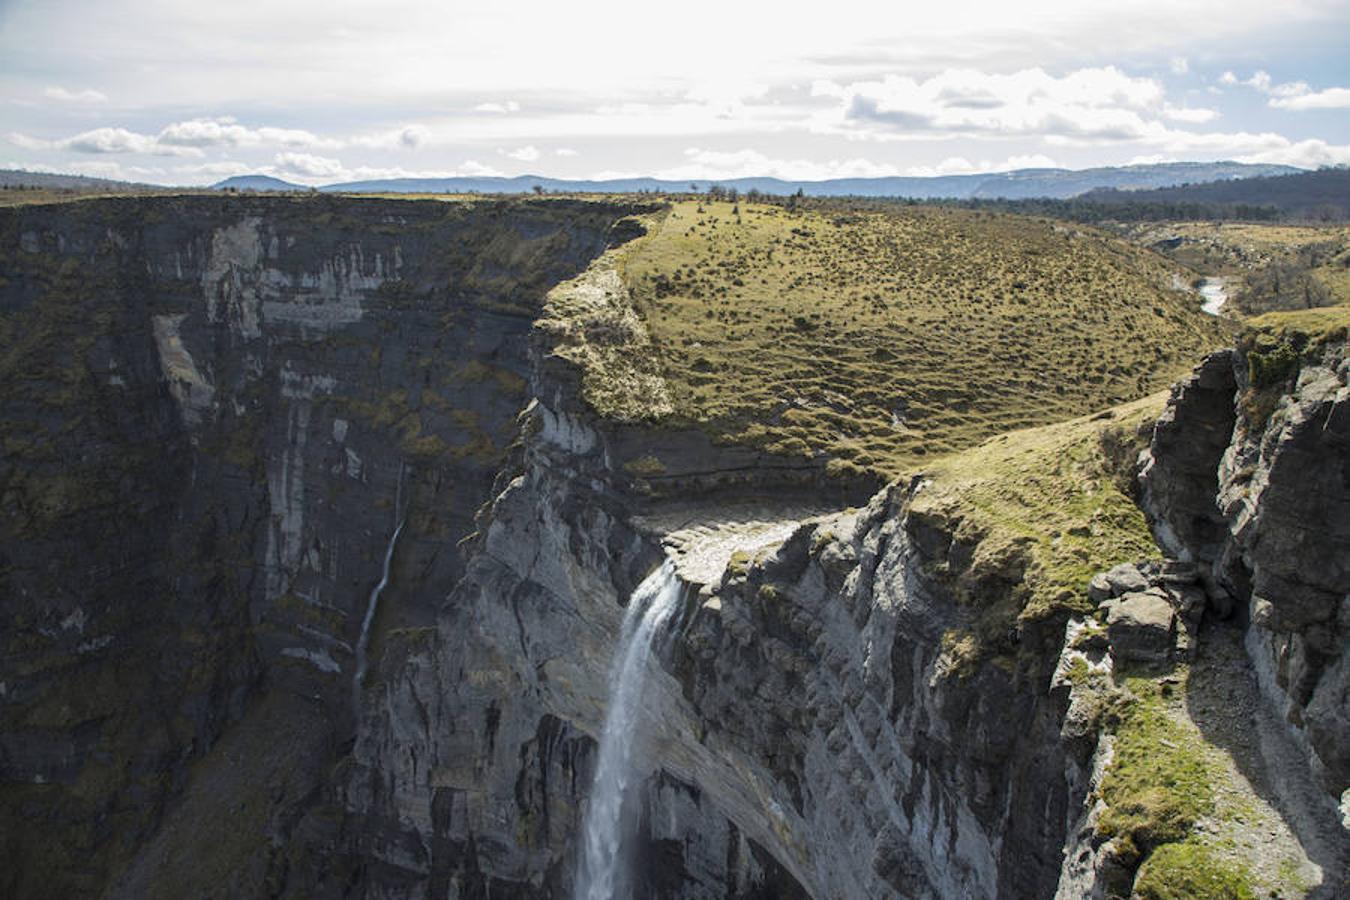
<point x="808" y="735"/>
<point x="221" y="416"/>
<point x="216" y="411"/>
<point x="1249" y="474"/>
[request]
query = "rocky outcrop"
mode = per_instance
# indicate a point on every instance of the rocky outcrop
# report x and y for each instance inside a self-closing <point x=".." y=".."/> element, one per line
<point x="1152" y="611"/>
<point x="215" y="412"/>
<point x="228" y="411"/>
<point x="809" y="735"/>
<point x="1266" y="511"/>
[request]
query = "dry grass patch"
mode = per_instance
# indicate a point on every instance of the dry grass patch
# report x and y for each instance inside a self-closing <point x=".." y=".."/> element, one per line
<point x="885" y="338"/>
<point x="1045" y="509"/>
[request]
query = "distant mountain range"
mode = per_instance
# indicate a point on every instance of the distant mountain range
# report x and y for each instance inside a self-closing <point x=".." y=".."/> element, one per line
<point x="257" y="183"/>
<point x="1022" y="183"/>
<point x="1308" y="195"/>
<point x="1112" y="184"/>
<point x="18" y="178"/>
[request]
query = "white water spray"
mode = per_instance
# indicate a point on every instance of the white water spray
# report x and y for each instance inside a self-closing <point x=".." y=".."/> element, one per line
<point x="600" y="875"/>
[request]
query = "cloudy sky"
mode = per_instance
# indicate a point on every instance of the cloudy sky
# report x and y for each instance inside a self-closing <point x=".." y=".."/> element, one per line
<point x="316" y="91"/>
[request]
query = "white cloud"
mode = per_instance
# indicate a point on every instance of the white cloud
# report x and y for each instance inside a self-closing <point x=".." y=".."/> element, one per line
<point x="1179" y="65"/>
<point x="1309" y="154"/>
<point x="408" y="137"/>
<point x="309" y="165"/>
<point x="187" y="138"/>
<point x="705" y="165"/>
<point x="959" y="165"/>
<point x="103" y="141"/>
<point x="565" y="151"/>
<point x="509" y="106"/>
<point x="1293" y="95"/>
<point x="221" y="169"/>
<point x="1189" y="113"/>
<point x="26" y="142"/>
<point x="524" y="154"/>
<point x="226" y="132"/>
<point x="87" y="95"/>
<point x="1102" y="102"/>
<point x="1331" y="98"/>
<point x="111" y="140"/>
<point x="474" y="169"/>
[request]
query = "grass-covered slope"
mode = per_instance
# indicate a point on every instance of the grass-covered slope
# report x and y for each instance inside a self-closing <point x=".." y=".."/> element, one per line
<point x="1045" y="509"/>
<point x="885" y="338"/>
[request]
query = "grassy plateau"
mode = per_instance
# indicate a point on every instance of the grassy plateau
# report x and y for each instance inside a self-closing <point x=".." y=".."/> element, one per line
<point x="886" y="338"/>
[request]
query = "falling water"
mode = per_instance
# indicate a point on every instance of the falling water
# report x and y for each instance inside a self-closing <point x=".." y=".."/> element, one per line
<point x="602" y="865"/>
<point x="373" y="603"/>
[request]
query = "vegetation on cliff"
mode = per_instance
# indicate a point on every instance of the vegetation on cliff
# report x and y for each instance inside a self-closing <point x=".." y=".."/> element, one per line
<point x="882" y="339"/>
<point x="1041" y="510"/>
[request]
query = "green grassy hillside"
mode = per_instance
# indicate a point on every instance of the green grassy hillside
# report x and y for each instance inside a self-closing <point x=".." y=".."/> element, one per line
<point x="885" y="338"/>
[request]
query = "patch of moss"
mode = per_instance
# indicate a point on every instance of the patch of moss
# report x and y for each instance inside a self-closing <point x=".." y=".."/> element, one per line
<point x="1078" y="671"/>
<point x="769" y="593"/>
<point x="1275" y="366"/>
<point x="1277" y="345"/>
<point x="1160" y="781"/>
<point x="1191" y="871"/>
<point x="739" y="563"/>
<point x="645" y="466"/>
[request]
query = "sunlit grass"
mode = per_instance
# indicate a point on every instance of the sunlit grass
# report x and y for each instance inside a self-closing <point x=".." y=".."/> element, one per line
<point x="885" y="339"/>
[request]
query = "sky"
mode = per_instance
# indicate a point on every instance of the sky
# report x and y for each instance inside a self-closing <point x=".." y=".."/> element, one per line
<point x="322" y="91"/>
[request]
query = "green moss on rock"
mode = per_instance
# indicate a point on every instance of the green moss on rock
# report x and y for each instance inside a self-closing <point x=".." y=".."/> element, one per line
<point x="1191" y="871"/>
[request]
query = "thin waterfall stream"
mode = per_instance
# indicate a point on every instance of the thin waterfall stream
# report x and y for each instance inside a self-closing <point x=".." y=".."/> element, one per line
<point x="373" y="603"/>
<point x="602" y="872"/>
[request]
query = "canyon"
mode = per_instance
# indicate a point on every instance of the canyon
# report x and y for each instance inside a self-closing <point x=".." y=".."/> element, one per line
<point x="315" y="551"/>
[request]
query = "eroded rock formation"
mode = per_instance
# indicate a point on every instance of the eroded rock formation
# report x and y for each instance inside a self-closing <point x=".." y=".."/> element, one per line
<point x="216" y="412"/>
<point x="1249" y="474"/>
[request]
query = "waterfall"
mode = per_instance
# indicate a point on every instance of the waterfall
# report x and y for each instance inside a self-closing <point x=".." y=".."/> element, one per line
<point x="371" y="605"/>
<point x="373" y="602"/>
<point x="601" y="871"/>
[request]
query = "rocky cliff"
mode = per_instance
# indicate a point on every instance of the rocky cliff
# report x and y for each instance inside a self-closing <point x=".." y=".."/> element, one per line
<point x="217" y="413"/>
<point x="810" y="735"/>
<point x="1249" y="475"/>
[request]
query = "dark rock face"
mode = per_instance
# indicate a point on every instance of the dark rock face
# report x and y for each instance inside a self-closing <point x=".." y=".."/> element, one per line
<point x="1267" y="512"/>
<point x="1189" y="440"/>
<point x="215" y="411"/>
<point x="810" y="735"/>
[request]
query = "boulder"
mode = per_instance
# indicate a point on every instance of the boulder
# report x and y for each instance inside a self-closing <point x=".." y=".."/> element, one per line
<point x="1125" y="578"/>
<point x="1099" y="589"/>
<point x="1140" y="626"/>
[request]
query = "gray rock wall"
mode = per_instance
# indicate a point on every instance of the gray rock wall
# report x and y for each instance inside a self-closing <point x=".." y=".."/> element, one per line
<point x="215" y="410"/>
<point x="807" y="735"/>
<point x="1251" y="476"/>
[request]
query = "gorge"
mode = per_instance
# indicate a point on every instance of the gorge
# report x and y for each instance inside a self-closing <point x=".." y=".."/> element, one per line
<point x="262" y="454"/>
